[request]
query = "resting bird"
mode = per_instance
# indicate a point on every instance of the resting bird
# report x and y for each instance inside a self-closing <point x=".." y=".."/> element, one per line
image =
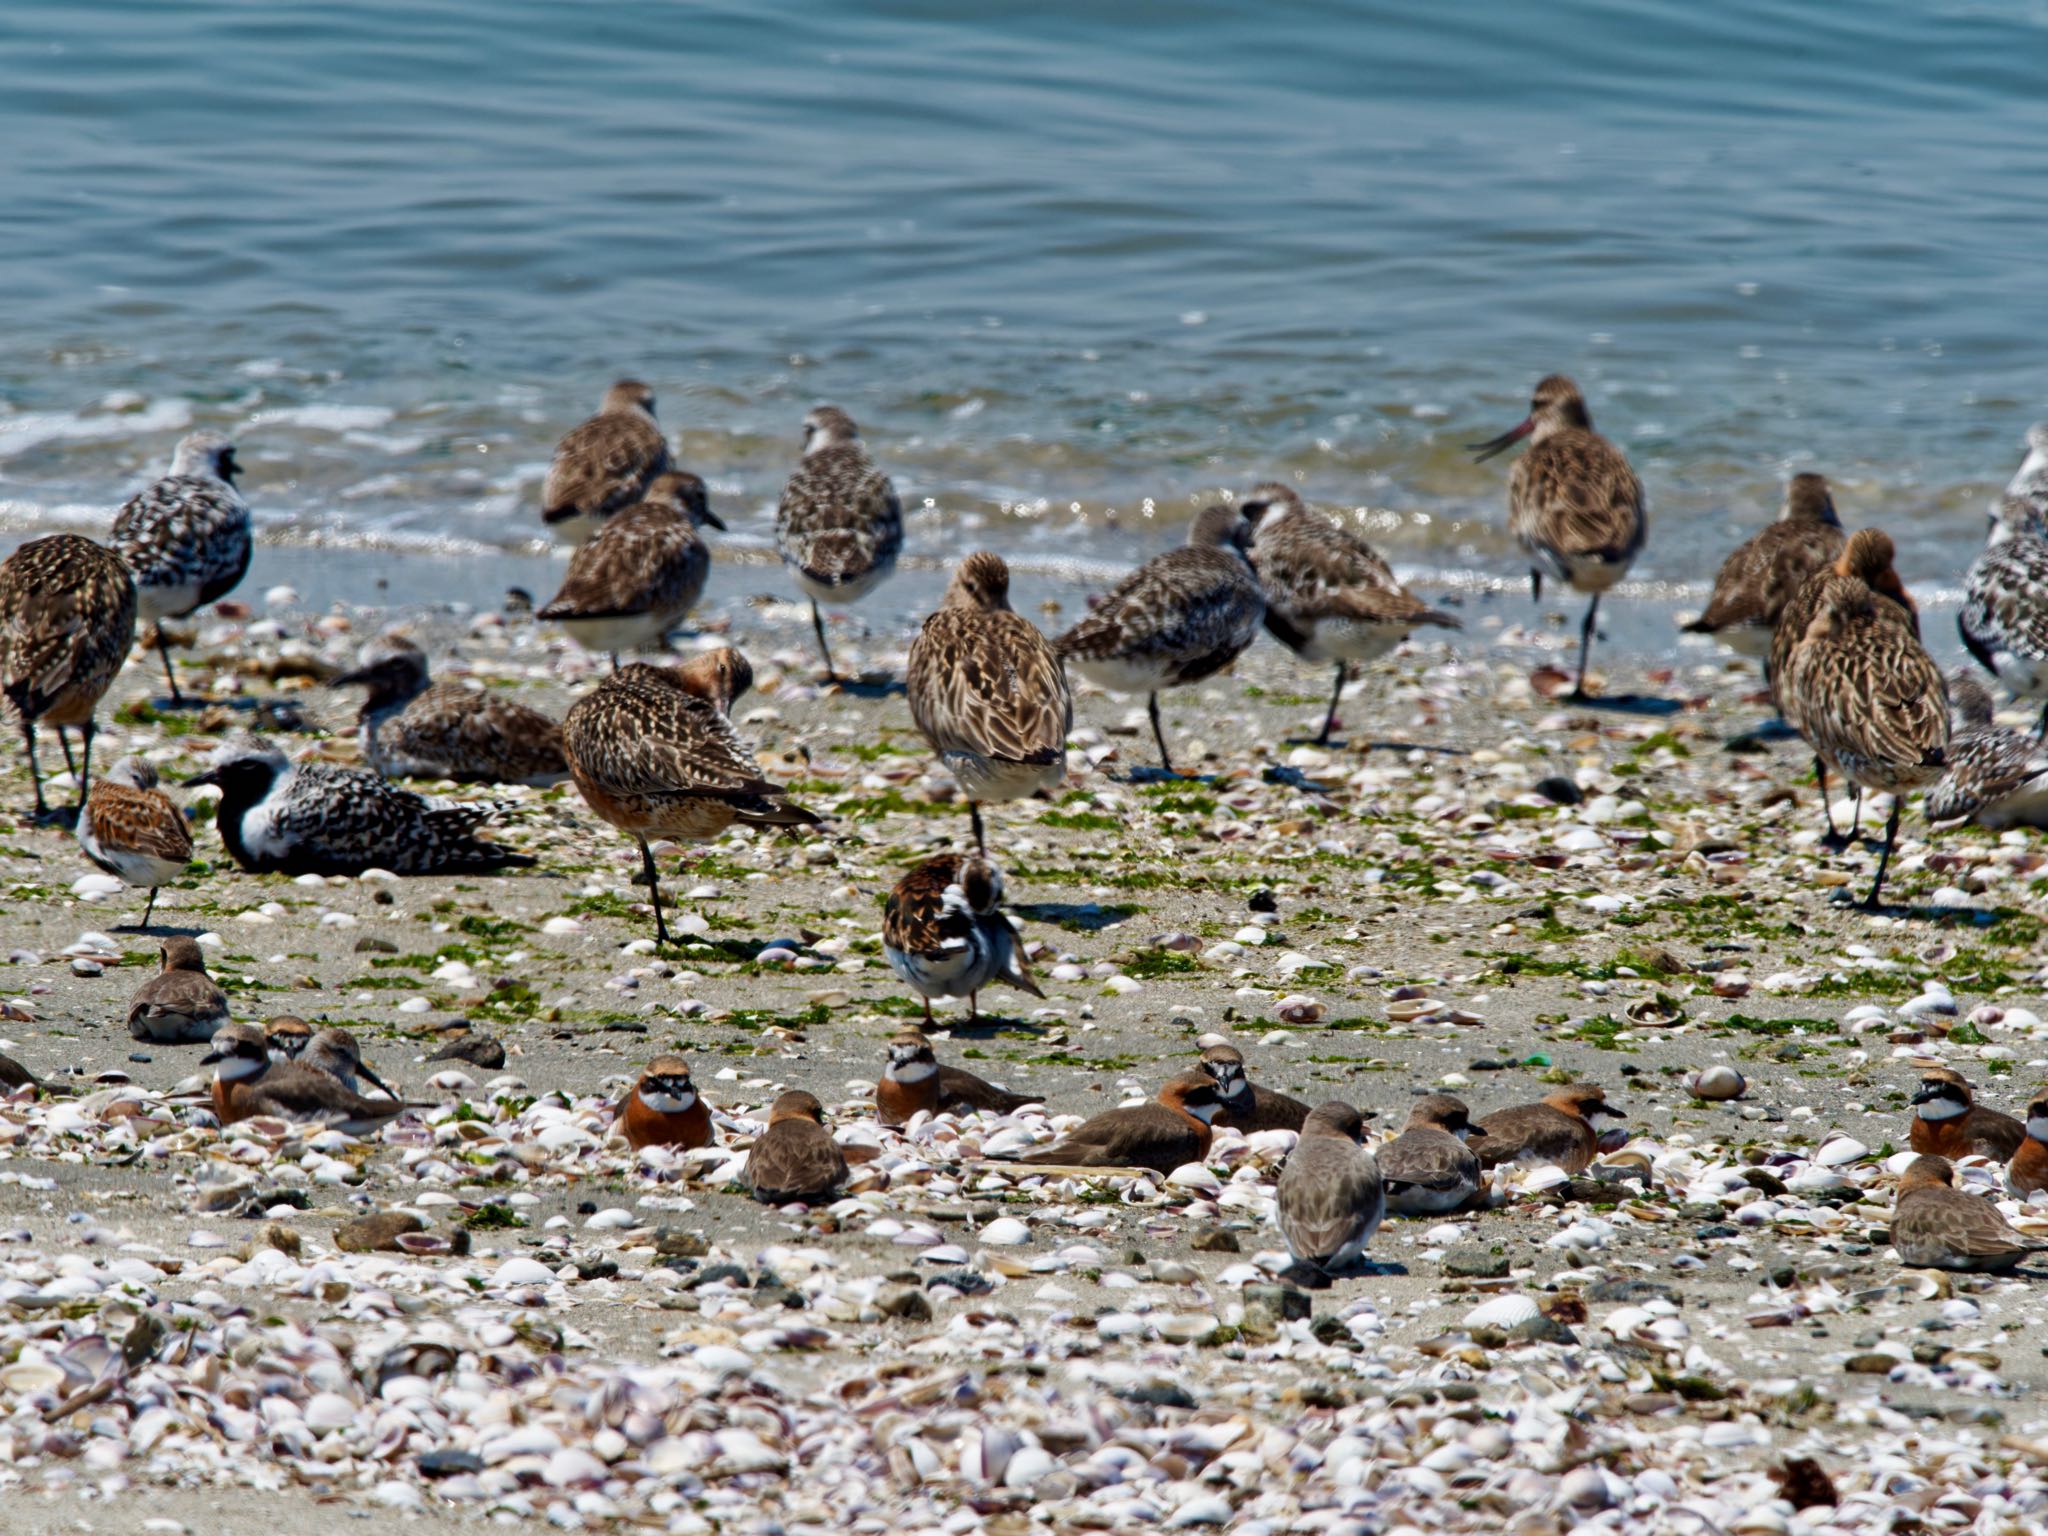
<point x="1329" y="1196"/>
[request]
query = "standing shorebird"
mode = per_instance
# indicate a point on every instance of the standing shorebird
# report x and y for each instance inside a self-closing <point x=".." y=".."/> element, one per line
<point x="1178" y="618"/>
<point x="1574" y="505"/>
<point x="2004" y="617"/>
<point x="67" y="618"/>
<point x="839" y="525"/>
<point x="604" y="464"/>
<point x="130" y="829"/>
<point x="653" y="751"/>
<point x="411" y="728"/>
<point x="1329" y="596"/>
<point x="987" y="692"/>
<point x="639" y="575"/>
<point x="1759" y="579"/>
<point x="1996" y="777"/>
<point x="186" y="538"/>
<point x="1863" y="691"/>
<point x="943" y="932"/>
<point x="1330" y="1198"/>
<point x="337" y="1052"/>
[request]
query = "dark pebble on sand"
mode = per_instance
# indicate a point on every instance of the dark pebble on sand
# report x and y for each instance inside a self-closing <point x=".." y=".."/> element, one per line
<point x="450" y="1463"/>
<point x="1559" y="790"/>
<point x="731" y="1274"/>
<point x="368" y="945"/>
<point x="1157" y="1394"/>
<point x="1214" y="1240"/>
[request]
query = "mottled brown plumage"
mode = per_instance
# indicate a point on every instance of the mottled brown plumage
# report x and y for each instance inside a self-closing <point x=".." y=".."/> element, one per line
<point x="944" y="933"/>
<point x="1993" y="775"/>
<point x="1428" y="1169"/>
<point x="639" y="575"/>
<point x="1329" y="1198"/>
<point x="795" y="1159"/>
<point x="411" y="728"/>
<point x="605" y="463"/>
<point x="180" y="1005"/>
<point x="1767" y="569"/>
<point x="1246" y="1106"/>
<point x="1937" y="1226"/>
<point x="130" y="829"/>
<point x="1558" y="1130"/>
<point x="1162" y="1135"/>
<point x="2004" y="616"/>
<point x="839" y="525"/>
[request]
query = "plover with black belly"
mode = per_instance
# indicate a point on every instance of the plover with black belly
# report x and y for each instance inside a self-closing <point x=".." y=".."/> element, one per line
<point x="1329" y="595"/>
<point x="412" y="728"/>
<point x="639" y="575"/>
<point x="1178" y="618"/>
<point x="604" y="464"/>
<point x="1574" y="505"/>
<point x="987" y="692"/>
<point x="186" y="538"/>
<point x="944" y="933"/>
<point x="1996" y="777"/>
<point x="1759" y="579"/>
<point x="130" y="829"/>
<point x="653" y="751"/>
<point x="67" y="618"/>
<point x="2004" y="617"/>
<point x="839" y="525"/>
<point x="289" y="818"/>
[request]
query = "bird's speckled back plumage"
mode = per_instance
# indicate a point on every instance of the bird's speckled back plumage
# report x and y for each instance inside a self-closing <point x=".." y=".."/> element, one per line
<point x="839" y="520"/>
<point x="67" y="619"/>
<point x="982" y="679"/>
<point x="1760" y="578"/>
<point x="605" y="463"/>
<point x="1313" y="571"/>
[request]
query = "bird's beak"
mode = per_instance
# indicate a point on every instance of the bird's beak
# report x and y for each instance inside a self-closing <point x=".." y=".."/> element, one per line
<point x="205" y="776"/>
<point x="1609" y="1110"/>
<point x="1474" y="1130"/>
<point x="211" y="1057"/>
<point x="1505" y="441"/>
<point x="715" y="520"/>
<point x="363" y="1071"/>
<point x="1927" y="1094"/>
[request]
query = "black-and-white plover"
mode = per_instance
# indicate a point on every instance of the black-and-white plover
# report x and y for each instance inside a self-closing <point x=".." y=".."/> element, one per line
<point x="1246" y="1105"/>
<point x="916" y="1082"/>
<point x="1757" y="581"/>
<point x="2004" y="617"/>
<point x="639" y="575"/>
<point x="412" y="728"/>
<point x="944" y="932"/>
<point x="604" y="464"/>
<point x="130" y="829"/>
<point x="839" y="525"/>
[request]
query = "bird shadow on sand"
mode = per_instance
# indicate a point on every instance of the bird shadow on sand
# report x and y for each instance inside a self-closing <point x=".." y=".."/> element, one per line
<point x="270" y="714"/>
<point x="1311" y="1278"/>
<point x="1623" y="704"/>
<point x="1345" y="744"/>
<point x="873" y="687"/>
<point x="1761" y="739"/>
<point x="1151" y="775"/>
<point x="986" y="1026"/>
<point x="1939" y="917"/>
<point x="155" y="930"/>
<point x="1087" y="916"/>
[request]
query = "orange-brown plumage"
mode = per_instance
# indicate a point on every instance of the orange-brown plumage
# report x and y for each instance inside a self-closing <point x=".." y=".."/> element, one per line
<point x="1949" y="1122"/>
<point x="796" y="1157"/>
<point x="664" y="1109"/>
<point x="2027" y="1173"/>
<point x="1557" y="1129"/>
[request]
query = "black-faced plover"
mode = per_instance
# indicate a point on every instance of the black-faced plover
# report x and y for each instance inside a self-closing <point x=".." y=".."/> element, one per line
<point x="247" y="1082"/>
<point x="1556" y="1130"/>
<point x="181" y="1004"/>
<point x="916" y="1082"/>
<point x="288" y="1035"/>
<point x="1329" y="595"/>
<point x="1996" y="777"/>
<point x="1329" y="1199"/>
<point x="1937" y="1226"/>
<point x="604" y="464"/>
<point x="653" y="751"/>
<point x="664" y="1108"/>
<point x="412" y="728"/>
<point x="1574" y="505"/>
<point x="839" y="525"/>
<point x="281" y="817"/>
<point x="2004" y="617"/>
<point x="2027" y="1172"/>
<point x="1246" y="1105"/>
<point x="1949" y="1122"/>
<point x="944" y="932"/>
<point x="987" y="692"/>
<point x="187" y="538"/>
<point x="1171" y="1130"/>
<point x="1759" y="579"/>
<point x="795" y="1159"/>
<point x="67" y="619"/>
<point x="1428" y="1170"/>
<point x="130" y="829"/>
<point x="1177" y="619"/>
<point x="639" y="575"/>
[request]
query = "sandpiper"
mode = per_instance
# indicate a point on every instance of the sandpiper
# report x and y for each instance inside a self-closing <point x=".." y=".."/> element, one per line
<point x="1246" y="1106"/>
<point x="67" y="618"/>
<point x="320" y="819"/>
<point x="653" y="751"/>
<point x="943" y="932"/>
<point x="1937" y="1226"/>
<point x="1178" y="618"/>
<point x="130" y="829"/>
<point x="604" y="464"/>
<point x="181" y="1004"/>
<point x="664" y="1109"/>
<point x="2004" y="617"/>
<point x="987" y="692"/>
<point x="1428" y="1169"/>
<point x="917" y="1082"/>
<point x="1996" y="776"/>
<point x="1558" y="1129"/>
<point x="2027" y="1174"/>
<point x="1759" y="579"/>
<point x="339" y="1054"/>
<point x="639" y="575"/>
<point x="1161" y="1135"/>
<point x="247" y="1082"/>
<point x="1329" y="595"/>
<point x="795" y="1159"/>
<point x="1949" y="1122"/>
<point x="411" y="728"/>
<point x="1862" y="689"/>
<point x="839" y="525"/>
<point x="1574" y="505"/>
<point x="1330" y="1201"/>
<point x="186" y="538"/>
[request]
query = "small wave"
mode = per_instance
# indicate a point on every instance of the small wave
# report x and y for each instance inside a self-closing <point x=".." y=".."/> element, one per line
<point x="325" y="418"/>
<point x="32" y="429"/>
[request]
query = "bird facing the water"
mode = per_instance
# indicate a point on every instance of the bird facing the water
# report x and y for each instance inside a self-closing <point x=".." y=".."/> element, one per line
<point x="604" y="463"/>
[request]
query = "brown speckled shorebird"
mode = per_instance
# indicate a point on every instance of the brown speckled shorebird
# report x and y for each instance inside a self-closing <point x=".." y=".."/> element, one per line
<point x="987" y="692"/>
<point x="1329" y="595"/>
<point x="1996" y="776"/>
<point x="1428" y="1169"/>
<point x="67" y="618"/>
<point x="839" y="524"/>
<point x="130" y="829"/>
<point x="1177" y="619"/>
<point x="605" y="463"/>
<point x="412" y="728"/>
<point x="1862" y="689"/>
<point x="180" y="1004"/>
<point x="1937" y="1226"/>
<point x="1574" y="505"/>
<point x="639" y="575"/>
<point x="1759" y="579"/>
<point x="654" y="752"/>
<point x="1557" y="1129"/>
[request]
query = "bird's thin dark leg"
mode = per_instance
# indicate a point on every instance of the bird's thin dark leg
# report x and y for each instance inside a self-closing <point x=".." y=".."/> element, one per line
<point x="654" y="891"/>
<point x="1536" y="586"/>
<point x="86" y="732"/>
<point x="973" y="1006"/>
<point x="148" y="907"/>
<point x="1586" y="646"/>
<point x="927" y="1013"/>
<point x="64" y="741"/>
<point x="1834" y="839"/>
<point x="1891" y="836"/>
<point x="974" y="811"/>
<point x="615" y="661"/>
<point x="163" y="649"/>
<point x="35" y="774"/>
<point x="1158" y="732"/>
<point x="818" y="624"/>
<point x="1856" y="815"/>
<point x="2041" y="730"/>
<point x="1336" y="693"/>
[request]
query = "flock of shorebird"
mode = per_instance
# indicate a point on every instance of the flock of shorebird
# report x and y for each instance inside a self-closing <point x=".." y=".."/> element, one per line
<point x="653" y="751"/>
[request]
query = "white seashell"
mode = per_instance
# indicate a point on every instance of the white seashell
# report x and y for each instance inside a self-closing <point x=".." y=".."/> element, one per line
<point x="1027" y="1465"/>
<point x="1195" y="1176"/>
<point x="94" y="886"/>
<point x="327" y="1411"/>
<point x="723" y="1360"/>
<point x="561" y="925"/>
<point x="1583" y="1488"/>
<point x="613" y="1219"/>
<point x="1501" y="1312"/>
<point x="1005" y="1232"/>
<point x="523" y="1272"/>
<point x="28" y="1377"/>
<point x="1717" y="1082"/>
<point x="1840" y="1151"/>
<point x="1536" y="1180"/>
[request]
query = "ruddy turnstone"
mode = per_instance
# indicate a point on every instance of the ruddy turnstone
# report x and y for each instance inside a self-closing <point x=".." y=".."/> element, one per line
<point x="181" y="1004"/>
<point x="1574" y="505"/>
<point x="795" y="1159"/>
<point x="839" y="525"/>
<point x="288" y="1036"/>
<point x="1996" y="777"/>
<point x="1246" y="1106"/>
<point x="664" y="1109"/>
<point x="1937" y="1226"/>
<point x="2004" y="617"/>
<point x="246" y="1082"/>
<point x="987" y="692"/>
<point x="917" y="1082"/>
<point x="654" y="752"/>
<point x="1177" y="619"/>
<point x="604" y="464"/>
<point x="290" y="818"/>
<point x="1428" y="1169"/>
<point x="1329" y="596"/>
<point x="1161" y="1136"/>
<point x="1949" y="1122"/>
<point x="1558" y="1129"/>
<point x="186" y="538"/>
<point x="2027" y="1174"/>
<point x="67" y="618"/>
<point x="1862" y="689"/>
<point x="943" y="932"/>
<point x="130" y="829"/>
<point x="337" y="1053"/>
<point x="410" y="728"/>
<point x="639" y="575"/>
<point x="1329" y="1198"/>
<point x="1758" y="580"/>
